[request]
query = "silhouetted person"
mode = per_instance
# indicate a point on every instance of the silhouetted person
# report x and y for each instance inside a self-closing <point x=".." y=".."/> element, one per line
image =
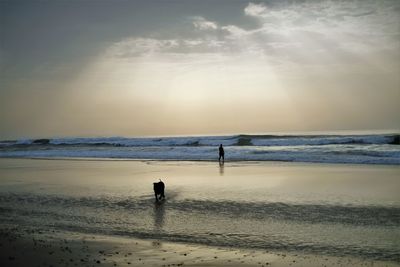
<point x="221" y="153"/>
<point x="159" y="190"/>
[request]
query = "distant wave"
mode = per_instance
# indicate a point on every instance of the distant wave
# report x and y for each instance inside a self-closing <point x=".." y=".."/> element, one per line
<point x="234" y="140"/>
<point x="360" y="149"/>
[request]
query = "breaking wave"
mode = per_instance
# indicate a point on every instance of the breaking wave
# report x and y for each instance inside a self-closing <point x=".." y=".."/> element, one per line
<point x="360" y="149"/>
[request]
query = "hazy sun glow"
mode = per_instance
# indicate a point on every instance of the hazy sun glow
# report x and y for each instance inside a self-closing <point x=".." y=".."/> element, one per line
<point x="278" y="67"/>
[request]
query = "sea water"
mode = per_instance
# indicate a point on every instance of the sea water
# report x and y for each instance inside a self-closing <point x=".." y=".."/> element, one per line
<point x="345" y="148"/>
<point x="325" y="209"/>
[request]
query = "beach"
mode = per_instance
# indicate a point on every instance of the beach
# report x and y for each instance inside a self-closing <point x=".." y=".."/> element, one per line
<point x="28" y="247"/>
<point x="90" y="212"/>
<point x="199" y="133"/>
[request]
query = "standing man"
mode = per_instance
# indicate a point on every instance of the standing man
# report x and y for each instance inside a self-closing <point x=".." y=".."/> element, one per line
<point x="221" y="153"/>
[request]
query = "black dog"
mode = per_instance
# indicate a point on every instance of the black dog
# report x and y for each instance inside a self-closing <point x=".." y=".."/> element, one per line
<point x="159" y="190"/>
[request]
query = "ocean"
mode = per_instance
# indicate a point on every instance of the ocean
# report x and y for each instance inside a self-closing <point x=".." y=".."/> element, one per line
<point x="343" y="148"/>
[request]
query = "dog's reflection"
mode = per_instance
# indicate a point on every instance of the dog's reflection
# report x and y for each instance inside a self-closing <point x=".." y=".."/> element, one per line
<point x="159" y="217"/>
<point x="159" y="214"/>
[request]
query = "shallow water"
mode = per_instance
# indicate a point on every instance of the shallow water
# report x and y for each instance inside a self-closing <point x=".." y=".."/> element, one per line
<point x="324" y="209"/>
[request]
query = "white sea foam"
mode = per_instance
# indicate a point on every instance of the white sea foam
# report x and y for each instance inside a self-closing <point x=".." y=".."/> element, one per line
<point x="360" y="149"/>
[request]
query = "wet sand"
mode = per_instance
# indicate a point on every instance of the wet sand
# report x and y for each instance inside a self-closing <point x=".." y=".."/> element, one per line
<point x="38" y="239"/>
<point x="34" y="247"/>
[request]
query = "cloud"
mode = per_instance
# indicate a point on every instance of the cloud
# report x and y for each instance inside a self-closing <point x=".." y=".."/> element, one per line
<point x="143" y="47"/>
<point x="357" y="28"/>
<point x="131" y="47"/>
<point x="255" y="10"/>
<point x="203" y="24"/>
<point x="234" y="31"/>
<point x="193" y="42"/>
<point x="313" y="33"/>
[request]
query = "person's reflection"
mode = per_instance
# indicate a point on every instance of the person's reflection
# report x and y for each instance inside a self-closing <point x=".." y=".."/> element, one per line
<point x="159" y="214"/>
<point x="221" y="168"/>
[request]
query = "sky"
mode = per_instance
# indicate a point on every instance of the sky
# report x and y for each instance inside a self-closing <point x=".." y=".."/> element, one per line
<point x="186" y="67"/>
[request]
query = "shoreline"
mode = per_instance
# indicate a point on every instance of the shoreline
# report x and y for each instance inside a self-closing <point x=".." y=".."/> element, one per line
<point x="204" y="161"/>
<point x="37" y="247"/>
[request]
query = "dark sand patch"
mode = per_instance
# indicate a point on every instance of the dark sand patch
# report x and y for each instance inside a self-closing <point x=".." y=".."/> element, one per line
<point x="33" y="247"/>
